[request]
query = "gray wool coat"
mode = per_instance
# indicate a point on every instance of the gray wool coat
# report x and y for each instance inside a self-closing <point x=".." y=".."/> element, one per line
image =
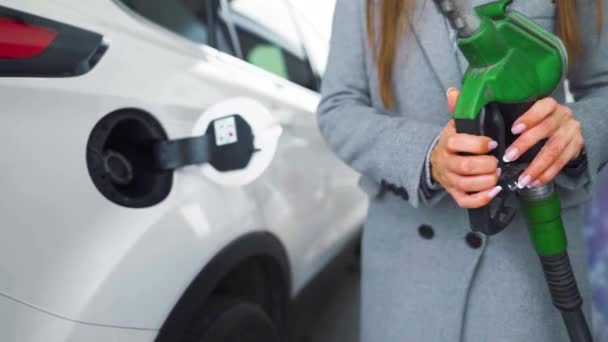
<point x="424" y="276"/>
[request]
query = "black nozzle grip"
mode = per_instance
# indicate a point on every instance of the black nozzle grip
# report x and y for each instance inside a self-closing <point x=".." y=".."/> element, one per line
<point x="496" y="216"/>
<point x="493" y="218"/>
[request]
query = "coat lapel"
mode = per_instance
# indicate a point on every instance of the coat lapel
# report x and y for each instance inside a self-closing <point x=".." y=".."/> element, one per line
<point x="433" y="37"/>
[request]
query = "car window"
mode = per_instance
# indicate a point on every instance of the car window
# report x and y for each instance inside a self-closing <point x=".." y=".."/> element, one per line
<point x="187" y="18"/>
<point x="269" y="39"/>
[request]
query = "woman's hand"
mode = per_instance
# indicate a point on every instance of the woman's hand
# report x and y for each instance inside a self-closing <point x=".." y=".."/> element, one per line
<point x="546" y="119"/>
<point x="471" y="180"/>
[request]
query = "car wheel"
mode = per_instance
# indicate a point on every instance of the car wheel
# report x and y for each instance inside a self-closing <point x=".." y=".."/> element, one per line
<point x="227" y="319"/>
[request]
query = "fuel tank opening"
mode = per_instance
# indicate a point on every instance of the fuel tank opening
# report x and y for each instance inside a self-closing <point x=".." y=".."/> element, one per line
<point x="120" y="159"/>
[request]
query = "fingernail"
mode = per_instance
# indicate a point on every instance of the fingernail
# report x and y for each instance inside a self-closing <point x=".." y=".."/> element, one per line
<point x="536" y="184"/>
<point x="492" y="145"/>
<point x="499" y="171"/>
<point x="450" y="91"/>
<point x="511" y="155"/>
<point x="518" y="129"/>
<point x="495" y="192"/>
<point x="524" y="181"/>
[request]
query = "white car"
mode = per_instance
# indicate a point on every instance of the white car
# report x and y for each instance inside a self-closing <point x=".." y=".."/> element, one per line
<point x="158" y="184"/>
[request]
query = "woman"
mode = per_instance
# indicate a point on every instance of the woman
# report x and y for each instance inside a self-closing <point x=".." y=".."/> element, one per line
<point x="384" y="111"/>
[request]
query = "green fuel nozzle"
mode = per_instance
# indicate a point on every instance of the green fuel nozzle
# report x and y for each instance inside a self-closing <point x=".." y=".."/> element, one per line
<point x="514" y="62"/>
<point x="511" y="58"/>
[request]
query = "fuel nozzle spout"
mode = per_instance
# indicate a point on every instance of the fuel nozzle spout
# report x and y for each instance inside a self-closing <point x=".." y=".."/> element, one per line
<point x="461" y="15"/>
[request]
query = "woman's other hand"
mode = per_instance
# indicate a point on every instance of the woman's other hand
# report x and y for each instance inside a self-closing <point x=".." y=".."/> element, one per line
<point x="546" y="119"/>
<point x="472" y="179"/>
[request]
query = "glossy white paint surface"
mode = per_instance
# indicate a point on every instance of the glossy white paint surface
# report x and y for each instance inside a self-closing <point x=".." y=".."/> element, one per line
<point x="69" y="255"/>
<point x="314" y="20"/>
<point x="24" y="323"/>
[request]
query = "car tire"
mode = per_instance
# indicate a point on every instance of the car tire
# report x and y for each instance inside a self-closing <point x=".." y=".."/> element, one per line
<point x="228" y="319"/>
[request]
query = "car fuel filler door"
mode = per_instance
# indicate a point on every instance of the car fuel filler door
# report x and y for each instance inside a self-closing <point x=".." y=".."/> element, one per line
<point x="233" y="142"/>
<point x="132" y="161"/>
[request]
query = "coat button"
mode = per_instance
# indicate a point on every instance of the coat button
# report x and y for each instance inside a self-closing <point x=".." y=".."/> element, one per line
<point x="474" y="240"/>
<point x="426" y="232"/>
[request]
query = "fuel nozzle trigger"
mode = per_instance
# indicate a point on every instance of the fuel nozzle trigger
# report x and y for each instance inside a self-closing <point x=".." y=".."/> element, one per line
<point x="493" y="122"/>
<point x="496" y="216"/>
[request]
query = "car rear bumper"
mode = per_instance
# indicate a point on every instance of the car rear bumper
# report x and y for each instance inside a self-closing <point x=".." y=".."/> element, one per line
<point x="20" y="322"/>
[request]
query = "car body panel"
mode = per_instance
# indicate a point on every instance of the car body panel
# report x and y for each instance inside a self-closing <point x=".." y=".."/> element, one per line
<point x="314" y="20"/>
<point x="23" y="323"/>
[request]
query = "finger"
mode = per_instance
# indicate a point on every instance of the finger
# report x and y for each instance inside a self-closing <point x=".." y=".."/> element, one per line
<point x="467" y="143"/>
<point x="537" y="133"/>
<point x="450" y="128"/>
<point x="570" y="153"/>
<point x="476" y="200"/>
<point x="472" y="165"/>
<point x="536" y="114"/>
<point x="452" y="95"/>
<point x="473" y="183"/>
<point x="549" y="154"/>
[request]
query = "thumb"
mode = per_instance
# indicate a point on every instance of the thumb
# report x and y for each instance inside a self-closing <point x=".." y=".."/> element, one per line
<point x="452" y="95"/>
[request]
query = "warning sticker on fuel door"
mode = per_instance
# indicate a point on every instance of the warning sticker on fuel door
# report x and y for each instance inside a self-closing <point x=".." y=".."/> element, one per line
<point x="225" y="131"/>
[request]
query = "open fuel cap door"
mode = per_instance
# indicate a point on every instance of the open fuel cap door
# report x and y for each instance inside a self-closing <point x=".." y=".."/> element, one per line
<point x="233" y="142"/>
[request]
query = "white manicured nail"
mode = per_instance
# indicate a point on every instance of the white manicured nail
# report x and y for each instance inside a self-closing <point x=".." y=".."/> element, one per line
<point x="518" y="129"/>
<point x="524" y="181"/>
<point x="511" y="155"/>
<point x="536" y="184"/>
<point x="495" y="192"/>
<point x="492" y="145"/>
<point x="499" y="171"/>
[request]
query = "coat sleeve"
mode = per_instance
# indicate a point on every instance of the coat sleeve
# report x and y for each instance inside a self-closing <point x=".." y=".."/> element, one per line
<point x="589" y="85"/>
<point x="383" y="147"/>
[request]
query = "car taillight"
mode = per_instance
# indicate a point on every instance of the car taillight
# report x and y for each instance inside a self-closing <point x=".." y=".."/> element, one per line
<point x="33" y="46"/>
<point x="19" y="40"/>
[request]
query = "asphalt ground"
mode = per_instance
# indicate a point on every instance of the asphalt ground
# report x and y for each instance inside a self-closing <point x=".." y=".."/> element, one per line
<point x="327" y="310"/>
